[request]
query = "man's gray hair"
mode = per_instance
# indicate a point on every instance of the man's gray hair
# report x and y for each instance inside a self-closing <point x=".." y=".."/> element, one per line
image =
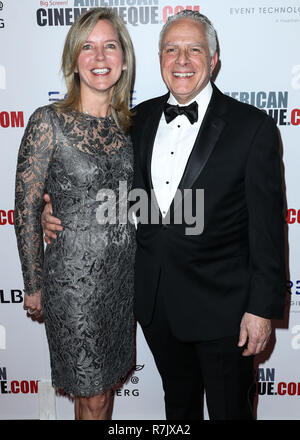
<point x="210" y="31"/>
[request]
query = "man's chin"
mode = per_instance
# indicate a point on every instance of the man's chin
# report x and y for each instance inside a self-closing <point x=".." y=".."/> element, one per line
<point x="183" y="98"/>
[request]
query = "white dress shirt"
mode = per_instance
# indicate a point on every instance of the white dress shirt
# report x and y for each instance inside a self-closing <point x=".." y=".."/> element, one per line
<point x="172" y="147"/>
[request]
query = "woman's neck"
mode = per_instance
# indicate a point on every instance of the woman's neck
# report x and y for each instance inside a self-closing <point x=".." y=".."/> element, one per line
<point x="95" y="104"/>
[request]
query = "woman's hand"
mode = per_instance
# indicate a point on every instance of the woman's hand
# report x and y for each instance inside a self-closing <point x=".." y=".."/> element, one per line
<point x="33" y="305"/>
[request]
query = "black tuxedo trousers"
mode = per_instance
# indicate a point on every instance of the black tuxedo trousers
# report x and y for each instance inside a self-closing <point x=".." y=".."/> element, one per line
<point x="189" y="368"/>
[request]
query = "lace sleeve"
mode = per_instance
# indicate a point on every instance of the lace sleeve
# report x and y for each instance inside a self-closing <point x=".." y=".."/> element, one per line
<point x="34" y="158"/>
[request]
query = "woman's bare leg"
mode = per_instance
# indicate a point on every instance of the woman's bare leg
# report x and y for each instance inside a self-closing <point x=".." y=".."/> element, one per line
<point x="98" y="407"/>
<point x="76" y="408"/>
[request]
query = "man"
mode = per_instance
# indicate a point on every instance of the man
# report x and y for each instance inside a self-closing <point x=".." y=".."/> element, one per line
<point x="205" y="300"/>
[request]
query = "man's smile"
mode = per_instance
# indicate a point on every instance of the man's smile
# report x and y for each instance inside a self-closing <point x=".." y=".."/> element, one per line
<point x="183" y="74"/>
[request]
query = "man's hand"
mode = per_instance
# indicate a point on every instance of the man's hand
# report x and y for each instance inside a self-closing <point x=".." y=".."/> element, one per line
<point x="257" y="330"/>
<point x="49" y="223"/>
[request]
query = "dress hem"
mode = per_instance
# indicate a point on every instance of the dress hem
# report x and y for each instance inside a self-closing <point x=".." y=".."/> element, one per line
<point x="100" y="390"/>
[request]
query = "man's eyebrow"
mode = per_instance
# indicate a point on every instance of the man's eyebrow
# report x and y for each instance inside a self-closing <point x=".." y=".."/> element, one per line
<point x="170" y="43"/>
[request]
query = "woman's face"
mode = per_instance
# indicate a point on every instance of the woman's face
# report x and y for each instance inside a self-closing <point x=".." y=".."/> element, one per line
<point x="101" y="60"/>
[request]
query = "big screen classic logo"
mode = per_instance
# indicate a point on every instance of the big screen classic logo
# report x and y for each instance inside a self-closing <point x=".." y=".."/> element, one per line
<point x="133" y="12"/>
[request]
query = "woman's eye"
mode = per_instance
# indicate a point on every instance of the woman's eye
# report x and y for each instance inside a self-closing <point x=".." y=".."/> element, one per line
<point x="111" y="46"/>
<point x="86" y="47"/>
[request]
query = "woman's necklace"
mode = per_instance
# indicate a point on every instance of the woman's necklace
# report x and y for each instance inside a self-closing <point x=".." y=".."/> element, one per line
<point x="87" y="112"/>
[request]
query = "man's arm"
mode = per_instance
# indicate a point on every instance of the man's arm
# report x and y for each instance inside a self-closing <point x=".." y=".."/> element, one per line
<point x="263" y="185"/>
<point x="49" y="222"/>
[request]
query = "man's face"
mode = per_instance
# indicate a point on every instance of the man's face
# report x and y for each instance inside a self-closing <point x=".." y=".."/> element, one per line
<point x="185" y="61"/>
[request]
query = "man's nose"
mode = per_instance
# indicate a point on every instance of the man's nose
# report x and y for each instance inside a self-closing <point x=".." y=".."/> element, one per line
<point x="183" y="56"/>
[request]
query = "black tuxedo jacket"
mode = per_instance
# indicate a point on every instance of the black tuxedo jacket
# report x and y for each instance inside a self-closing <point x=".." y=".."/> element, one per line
<point x="236" y="264"/>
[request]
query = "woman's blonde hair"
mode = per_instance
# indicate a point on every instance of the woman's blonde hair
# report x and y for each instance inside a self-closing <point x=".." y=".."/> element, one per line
<point x="75" y="39"/>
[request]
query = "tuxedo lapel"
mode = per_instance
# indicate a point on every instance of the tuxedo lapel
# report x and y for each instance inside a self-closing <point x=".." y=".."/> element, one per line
<point x="205" y="142"/>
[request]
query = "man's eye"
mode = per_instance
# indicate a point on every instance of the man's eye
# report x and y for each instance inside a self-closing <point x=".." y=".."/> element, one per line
<point x="195" y="49"/>
<point x="170" y="50"/>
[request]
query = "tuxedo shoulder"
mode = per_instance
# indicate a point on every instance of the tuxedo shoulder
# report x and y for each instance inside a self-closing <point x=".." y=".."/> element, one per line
<point x="148" y="105"/>
<point x="150" y="102"/>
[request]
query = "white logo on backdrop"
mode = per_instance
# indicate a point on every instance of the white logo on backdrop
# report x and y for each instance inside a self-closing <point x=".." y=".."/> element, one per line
<point x="296" y="339"/>
<point x="2" y="337"/>
<point x="2" y="78"/>
<point x="296" y="77"/>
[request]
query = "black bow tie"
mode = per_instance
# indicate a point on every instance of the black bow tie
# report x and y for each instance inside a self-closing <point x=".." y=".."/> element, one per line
<point x="190" y="111"/>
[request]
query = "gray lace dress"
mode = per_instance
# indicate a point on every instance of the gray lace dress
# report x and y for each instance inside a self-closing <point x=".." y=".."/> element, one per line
<point x="86" y="275"/>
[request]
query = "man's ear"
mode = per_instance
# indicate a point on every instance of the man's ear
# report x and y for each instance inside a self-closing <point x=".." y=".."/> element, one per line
<point x="213" y="61"/>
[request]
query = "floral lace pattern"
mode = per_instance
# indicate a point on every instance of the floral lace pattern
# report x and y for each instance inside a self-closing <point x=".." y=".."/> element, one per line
<point x="86" y="274"/>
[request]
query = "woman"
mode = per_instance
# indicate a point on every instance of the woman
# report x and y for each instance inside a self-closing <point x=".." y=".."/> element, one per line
<point x="71" y="150"/>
